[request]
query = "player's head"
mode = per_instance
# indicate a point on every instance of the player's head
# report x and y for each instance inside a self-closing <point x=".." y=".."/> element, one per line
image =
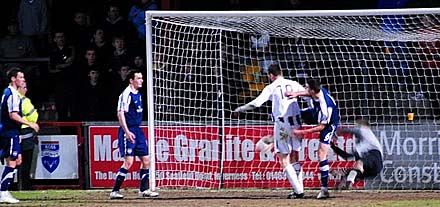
<point x="313" y="86"/>
<point x="135" y="78"/>
<point x="16" y="77"/>
<point x="274" y="72"/>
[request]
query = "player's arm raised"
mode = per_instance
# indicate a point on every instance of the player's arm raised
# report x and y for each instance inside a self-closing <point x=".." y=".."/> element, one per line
<point x="257" y="102"/>
<point x="292" y="94"/>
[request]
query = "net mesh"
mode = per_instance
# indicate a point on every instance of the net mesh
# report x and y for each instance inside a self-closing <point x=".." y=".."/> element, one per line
<point x="377" y="67"/>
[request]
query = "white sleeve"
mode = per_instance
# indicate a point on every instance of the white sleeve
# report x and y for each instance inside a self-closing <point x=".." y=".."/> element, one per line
<point x="325" y="112"/>
<point x="262" y="98"/>
<point x="13" y="103"/>
<point x="299" y="87"/>
<point x="124" y="102"/>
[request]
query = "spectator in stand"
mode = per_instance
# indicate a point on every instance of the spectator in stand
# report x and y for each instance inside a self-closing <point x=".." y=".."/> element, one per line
<point x="120" y="55"/>
<point x="118" y="82"/>
<point x="62" y="57"/>
<point x="79" y="33"/>
<point x="137" y="15"/>
<point x="14" y="45"/>
<point x="102" y="46"/>
<point x="33" y="15"/>
<point x="92" y="97"/>
<point x="161" y="96"/>
<point x="428" y="71"/>
<point x="139" y="64"/>
<point x="115" y="25"/>
<point x="87" y="62"/>
<point x="187" y="98"/>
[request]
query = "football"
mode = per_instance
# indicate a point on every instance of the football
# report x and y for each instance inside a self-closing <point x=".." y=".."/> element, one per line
<point x="264" y="144"/>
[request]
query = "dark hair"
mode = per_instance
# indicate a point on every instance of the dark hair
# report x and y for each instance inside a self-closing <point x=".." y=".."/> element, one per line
<point x="90" y="48"/>
<point x="118" y="37"/>
<point x="13" y="72"/>
<point x="314" y="84"/>
<point x="275" y="70"/>
<point x="131" y="73"/>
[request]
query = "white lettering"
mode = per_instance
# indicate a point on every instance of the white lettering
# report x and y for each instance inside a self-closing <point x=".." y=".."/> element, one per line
<point x="102" y="147"/>
<point x="162" y="150"/>
<point x="409" y="146"/>
<point x="189" y="149"/>
<point x="410" y="174"/>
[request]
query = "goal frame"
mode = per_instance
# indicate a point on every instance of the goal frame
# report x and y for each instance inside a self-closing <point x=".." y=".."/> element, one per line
<point x="283" y="13"/>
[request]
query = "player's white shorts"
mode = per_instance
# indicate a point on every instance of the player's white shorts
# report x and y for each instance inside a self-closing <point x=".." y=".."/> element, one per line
<point x="284" y="141"/>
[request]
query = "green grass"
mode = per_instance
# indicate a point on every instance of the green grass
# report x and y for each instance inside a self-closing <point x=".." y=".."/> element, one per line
<point x="409" y="203"/>
<point x="243" y="197"/>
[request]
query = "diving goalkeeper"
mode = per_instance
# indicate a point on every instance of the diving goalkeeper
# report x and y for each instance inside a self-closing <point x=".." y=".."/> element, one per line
<point x="367" y="153"/>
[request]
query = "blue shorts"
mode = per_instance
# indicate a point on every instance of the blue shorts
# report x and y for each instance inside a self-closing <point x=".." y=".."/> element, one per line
<point x="10" y="144"/>
<point x="326" y="135"/>
<point x="138" y="148"/>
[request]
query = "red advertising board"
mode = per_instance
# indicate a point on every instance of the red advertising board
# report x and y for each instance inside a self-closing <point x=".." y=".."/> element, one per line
<point x="191" y="156"/>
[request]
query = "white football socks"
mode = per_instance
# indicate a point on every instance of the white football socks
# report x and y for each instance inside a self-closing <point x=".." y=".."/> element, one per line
<point x="293" y="179"/>
<point x="351" y="176"/>
<point x="300" y="173"/>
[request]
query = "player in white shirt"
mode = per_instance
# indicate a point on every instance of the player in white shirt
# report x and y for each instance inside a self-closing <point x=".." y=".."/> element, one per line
<point x="286" y="117"/>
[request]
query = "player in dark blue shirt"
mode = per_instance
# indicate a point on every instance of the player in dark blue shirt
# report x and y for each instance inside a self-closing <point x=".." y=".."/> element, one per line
<point x="131" y="138"/>
<point x="12" y="120"/>
<point x="325" y="114"/>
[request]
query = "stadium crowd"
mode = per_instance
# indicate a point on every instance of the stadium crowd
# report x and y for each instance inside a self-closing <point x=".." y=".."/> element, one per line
<point x="76" y="51"/>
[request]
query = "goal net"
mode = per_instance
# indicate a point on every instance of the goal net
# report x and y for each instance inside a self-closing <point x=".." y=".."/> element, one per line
<point x="379" y="65"/>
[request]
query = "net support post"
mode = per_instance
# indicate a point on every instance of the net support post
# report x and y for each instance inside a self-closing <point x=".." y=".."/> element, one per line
<point x="150" y="99"/>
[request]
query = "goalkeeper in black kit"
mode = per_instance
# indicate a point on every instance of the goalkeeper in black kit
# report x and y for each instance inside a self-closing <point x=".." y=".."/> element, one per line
<point x="367" y="152"/>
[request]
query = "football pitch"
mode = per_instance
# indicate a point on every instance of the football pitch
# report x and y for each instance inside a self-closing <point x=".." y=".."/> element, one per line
<point x="244" y="198"/>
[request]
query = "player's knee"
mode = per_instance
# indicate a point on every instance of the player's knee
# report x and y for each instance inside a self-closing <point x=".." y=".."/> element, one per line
<point x="145" y="163"/>
<point x="322" y="154"/>
<point x="293" y="157"/>
<point x="284" y="160"/>
<point x="127" y="163"/>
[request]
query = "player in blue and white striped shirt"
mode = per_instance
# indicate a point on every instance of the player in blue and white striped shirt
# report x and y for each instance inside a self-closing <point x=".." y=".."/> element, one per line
<point x="11" y="118"/>
<point x="325" y="115"/>
<point x="131" y="138"/>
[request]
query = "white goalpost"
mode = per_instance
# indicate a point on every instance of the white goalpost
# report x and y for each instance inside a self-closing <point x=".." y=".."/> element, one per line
<point x="379" y="65"/>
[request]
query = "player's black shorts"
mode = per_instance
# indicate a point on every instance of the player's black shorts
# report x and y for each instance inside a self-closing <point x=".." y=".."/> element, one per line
<point x="373" y="163"/>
